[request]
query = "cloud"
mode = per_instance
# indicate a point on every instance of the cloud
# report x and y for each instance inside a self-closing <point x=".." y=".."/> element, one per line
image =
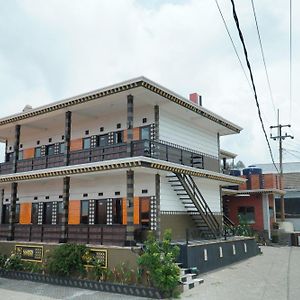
<point x="59" y="48"/>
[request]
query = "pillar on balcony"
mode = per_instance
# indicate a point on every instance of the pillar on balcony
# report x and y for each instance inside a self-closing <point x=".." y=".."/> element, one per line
<point x="12" y="212"/>
<point x="65" y="211"/>
<point x="129" y="124"/>
<point x="68" y="126"/>
<point x="156" y="123"/>
<point x="130" y="195"/>
<point x="16" y="148"/>
<point x="1" y="204"/>
<point x="155" y="209"/>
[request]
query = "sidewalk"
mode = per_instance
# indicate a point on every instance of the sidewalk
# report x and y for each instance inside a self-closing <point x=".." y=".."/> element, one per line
<point x="275" y="275"/>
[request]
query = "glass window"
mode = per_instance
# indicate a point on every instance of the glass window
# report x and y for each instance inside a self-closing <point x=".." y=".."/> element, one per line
<point x="118" y="137"/>
<point x="117" y="211"/>
<point x="38" y="152"/>
<point x="34" y="213"/>
<point x="101" y="214"/>
<point x="5" y="213"/>
<point x="102" y="140"/>
<point x="84" y="212"/>
<point x="145" y="133"/>
<point x="62" y="148"/>
<point x="87" y="143"/>
<point x="47" y="212"/>
<point x="17" y="217"/>
<point x="247" y="214"/>
<point x="9" y="156"/>
<point x="50" y="149"/>
<point x="59" y="212"/>
<point x="145" y="211"/>
<point x="21" y="156"/>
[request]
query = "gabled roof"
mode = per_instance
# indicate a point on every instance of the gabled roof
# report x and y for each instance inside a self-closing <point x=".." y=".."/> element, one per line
<point x="117" y="88"/>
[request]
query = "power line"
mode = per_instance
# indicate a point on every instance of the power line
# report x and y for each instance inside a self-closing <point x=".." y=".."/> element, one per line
<point x="291" y="58"/>
<point x="263" y="55"/>
<point x="252" y="80"/>
<point x="232" y="42"/>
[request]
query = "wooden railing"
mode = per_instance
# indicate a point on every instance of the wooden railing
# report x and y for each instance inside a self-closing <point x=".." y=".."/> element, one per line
<point x="159" y="150"/>
<point x="86" y="234"/>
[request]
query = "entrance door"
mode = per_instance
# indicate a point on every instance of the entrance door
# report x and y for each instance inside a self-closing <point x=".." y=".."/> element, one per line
<point x="101" y="212"/>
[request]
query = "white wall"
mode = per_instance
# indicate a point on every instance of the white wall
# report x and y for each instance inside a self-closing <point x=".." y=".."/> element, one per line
<point x="183" y="132"/>
<point x="211" y="193"/>
<point x="169" y="200"/>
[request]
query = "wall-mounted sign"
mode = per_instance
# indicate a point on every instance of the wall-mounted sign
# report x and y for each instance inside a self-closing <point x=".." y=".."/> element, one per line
<point x="30" y="253"/>
<point x="97" y="254"/>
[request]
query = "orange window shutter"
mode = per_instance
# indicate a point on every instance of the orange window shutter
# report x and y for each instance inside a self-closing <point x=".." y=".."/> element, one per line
<point x="28" y="153"/>
<point x="74" y="212"/>
<point x="76" y="145"/>
<point x="124" y="210"/>
<point x="25" y="213"/>
<point x="136" y="210"/>
<point x="136" y="134"/>
<point x="125" y="136"/>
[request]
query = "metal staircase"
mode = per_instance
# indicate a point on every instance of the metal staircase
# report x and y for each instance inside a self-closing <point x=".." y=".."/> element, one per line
<point x="194" y="202"/>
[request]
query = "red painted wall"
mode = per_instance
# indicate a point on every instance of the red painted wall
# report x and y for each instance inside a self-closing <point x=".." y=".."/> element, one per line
<point x="252" y="201"/>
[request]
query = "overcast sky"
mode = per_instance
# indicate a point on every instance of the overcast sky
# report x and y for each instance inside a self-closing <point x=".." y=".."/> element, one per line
<point x="53" y="49"/>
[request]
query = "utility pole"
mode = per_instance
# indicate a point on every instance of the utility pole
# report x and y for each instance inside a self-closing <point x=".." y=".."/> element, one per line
<point x="280" y="137"/>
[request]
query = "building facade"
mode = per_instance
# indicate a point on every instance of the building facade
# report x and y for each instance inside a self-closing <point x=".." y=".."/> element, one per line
<point x="102" y="167"/>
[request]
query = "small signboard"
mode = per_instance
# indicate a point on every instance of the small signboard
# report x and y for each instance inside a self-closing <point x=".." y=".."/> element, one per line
<point x="100" y="255"/>
<point x="30" y="252"/>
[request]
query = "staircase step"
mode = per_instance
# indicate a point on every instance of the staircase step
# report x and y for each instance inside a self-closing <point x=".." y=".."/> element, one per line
<point x="188" y="277"/>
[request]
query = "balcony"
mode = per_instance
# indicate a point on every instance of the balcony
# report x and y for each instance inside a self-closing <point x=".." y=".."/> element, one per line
<point x="147" y="148"/>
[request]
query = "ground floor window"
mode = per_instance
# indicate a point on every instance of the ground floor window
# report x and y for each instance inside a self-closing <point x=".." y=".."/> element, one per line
<point x="145" y="212"/>
<point x="117" y="211"/>
<point x="59" y="216"/>
<point x="101" y="212"/>
<point x="34" y="213"/>
<point x="17" y="215"/>
<point x="47" y="212"/>
<point x="84" y="212"/>
<point x="247" y="213"/>
<point x="5" y="213"/>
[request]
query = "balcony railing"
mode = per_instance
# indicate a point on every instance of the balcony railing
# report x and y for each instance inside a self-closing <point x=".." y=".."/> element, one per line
<point x="86" y="234"/>
<point x="148" y="148"/>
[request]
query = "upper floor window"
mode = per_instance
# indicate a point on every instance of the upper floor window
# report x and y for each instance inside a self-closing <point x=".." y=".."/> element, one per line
<point x="60" y="206"/>
<point x="145" y="133"/>
<point x="50" y="149"/>
<point x="87" y="143"/>
<point x="38" y="152"/>
<point x="84" y="212"/>
<point x="62" y="148"/>
<point x="101" y="212"/>
<point x="21" y="155"/>
<point x="117" y="211"/>
<point x="102" y="140"/>
<point x="9" y="156"/>
<point x="118" y="137"/>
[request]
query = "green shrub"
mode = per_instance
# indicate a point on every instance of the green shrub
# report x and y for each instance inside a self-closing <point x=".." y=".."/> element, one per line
<point x="33" y="267"/>
<point x="3" y="259"/>
<point x="158" y="262"/>
<point x="67" y="260"/>
<point x="14" y="263"/>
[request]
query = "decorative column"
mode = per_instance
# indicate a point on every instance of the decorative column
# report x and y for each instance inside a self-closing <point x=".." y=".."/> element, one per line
<point x="68" y="125"/>
<point x="155" y="208"/>
<point x="130" y="195"/>
<point x="156" y="123"/>
<point x="65" y="211"/>
<point x="16" y="148"/>
<point x="129" y="124"/>
<point x="12" y="212"/>
<point x="266" y="214"/>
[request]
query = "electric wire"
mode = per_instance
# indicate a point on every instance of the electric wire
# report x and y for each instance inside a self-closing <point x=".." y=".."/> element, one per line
<point x="291" y="60"/>
<point x="263" y="56"/>
<point x="233" y="44"/>
<point x="252" y="80"/>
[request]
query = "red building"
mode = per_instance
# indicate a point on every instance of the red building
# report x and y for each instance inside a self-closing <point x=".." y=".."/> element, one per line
<point x="254" y="201"/>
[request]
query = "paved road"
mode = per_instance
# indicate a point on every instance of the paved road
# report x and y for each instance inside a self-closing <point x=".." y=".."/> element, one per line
<point x="275" y="275"/>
